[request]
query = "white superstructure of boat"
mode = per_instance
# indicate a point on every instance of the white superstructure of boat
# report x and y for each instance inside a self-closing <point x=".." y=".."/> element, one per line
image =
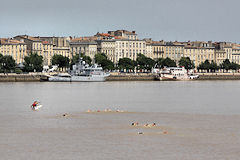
<point x="82" y="72"/>
<point x="175" y="73"/>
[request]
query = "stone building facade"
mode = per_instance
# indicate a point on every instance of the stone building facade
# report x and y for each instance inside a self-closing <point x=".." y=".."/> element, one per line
<point x="14" y="48"/>
<point x="88" y="48"/>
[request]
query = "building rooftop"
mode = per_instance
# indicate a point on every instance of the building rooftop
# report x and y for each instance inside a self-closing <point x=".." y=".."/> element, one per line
<point x="29" y="38"/>
<point x="10" y="41"/>
<point x="84" y="42"/>
<point x="46" y="42"/>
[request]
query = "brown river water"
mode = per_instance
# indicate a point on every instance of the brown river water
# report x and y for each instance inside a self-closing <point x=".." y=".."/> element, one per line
<point x="195" y="120"/>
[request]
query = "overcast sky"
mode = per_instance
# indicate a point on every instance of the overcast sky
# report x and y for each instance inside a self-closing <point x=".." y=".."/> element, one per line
<point x="170" y="20"/>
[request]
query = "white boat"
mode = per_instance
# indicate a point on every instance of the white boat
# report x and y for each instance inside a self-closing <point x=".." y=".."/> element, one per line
<point x="175" y="73"/>
<point x="36" y="107"/>
<point x="62" y="77"/>
<point x="81" y="72"/>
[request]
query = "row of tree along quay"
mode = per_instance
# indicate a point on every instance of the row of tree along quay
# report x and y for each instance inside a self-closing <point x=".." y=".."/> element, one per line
<point x="34" y="63"/>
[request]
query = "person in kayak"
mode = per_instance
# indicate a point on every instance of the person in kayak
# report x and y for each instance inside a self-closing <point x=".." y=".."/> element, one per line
<point x="35" y="103"/>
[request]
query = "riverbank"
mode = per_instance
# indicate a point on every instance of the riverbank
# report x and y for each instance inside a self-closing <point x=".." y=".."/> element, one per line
<point x="131" y="77"/>
<point x="31" y="77"/>
<point x="12" y="77"/>
<point x="219" y="76"/>
<point x="37" y="77"/>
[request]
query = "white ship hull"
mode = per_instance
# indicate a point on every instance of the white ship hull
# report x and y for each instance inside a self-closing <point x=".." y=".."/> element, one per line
<point x="81" y="72"/>
<point x="78" y="79"/>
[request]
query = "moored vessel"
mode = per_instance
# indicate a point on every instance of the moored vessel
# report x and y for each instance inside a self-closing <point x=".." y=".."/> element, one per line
<point x="82" y="72"/>
<point x="175" y="73"/>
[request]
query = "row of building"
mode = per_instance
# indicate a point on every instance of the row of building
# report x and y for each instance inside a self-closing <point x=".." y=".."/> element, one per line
<point x="118" y="44"/>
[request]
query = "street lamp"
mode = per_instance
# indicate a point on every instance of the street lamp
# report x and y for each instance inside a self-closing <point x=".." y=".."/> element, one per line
<point x="3" y="66"/>
<point x="31" y="65"/>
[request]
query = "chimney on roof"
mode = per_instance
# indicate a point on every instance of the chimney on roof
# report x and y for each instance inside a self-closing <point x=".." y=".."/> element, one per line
<point x="134" y="32"/>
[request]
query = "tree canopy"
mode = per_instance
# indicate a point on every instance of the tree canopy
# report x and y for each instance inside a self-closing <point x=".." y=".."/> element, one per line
<point x="33" y="62"/>
<point x="213" y="66"/>
<point x="205" y="66"/>
<point x="209" y="67"/>
<point x="101" y="59"/>
<point x="169" y="62"/>
<point x="144" y="62"/>
<point x="234" y="66"/>
<point x="75" y="59"/>
<point x="126" y="63"/>
<point x="226" y="64"/>
<point x="61" y="61"/>
<point x="186" y="62"/>
<point x="7" y="63"/>
<point x="159" y="62"/>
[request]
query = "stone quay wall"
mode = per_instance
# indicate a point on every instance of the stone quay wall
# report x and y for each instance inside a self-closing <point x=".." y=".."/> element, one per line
<point x="12" y="77"/>
<point x="37" y="77"/>
<point x="219" y="76"/>
<point x="131" y="77"/>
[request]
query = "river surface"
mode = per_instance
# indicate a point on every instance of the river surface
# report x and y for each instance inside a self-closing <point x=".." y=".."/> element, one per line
<point x="194" y="120"/>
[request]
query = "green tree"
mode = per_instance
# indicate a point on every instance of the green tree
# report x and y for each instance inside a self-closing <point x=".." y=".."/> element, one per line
<point x="101" y="59"/>
<point x="213" y="66"/>
<point x="107" y="64"/>
<point x="168" y="62"/>
<point x="204" y="66"/>
<point x="226" y="65"/>
<point x="61" y="61"/>
<point x="159" y="62"/>
<point x="7" y="63"/>
<point x="85" y="58"/>
<point x="33" y="62"/>
<point x="234" y="66"/>
<point x="141" y="61"/>
<point x="74" y="60"/>
<point x="145" y="62"/>
<point x="1" y="66"/>
<point x="126" y="63"/>
<point x="1" y="57"/>
<point x="186" y="62"/>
